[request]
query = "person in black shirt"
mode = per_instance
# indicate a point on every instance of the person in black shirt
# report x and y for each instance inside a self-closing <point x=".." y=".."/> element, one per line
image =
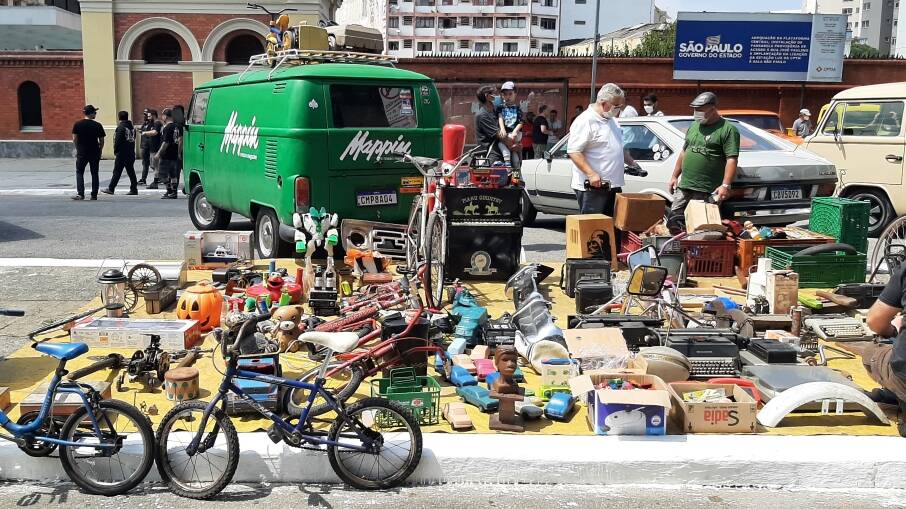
<point x="885" y="363"/>
<point x="88" y="137"/>
<point x="540" y="132"/>
<point x="124" y="154"/>
<point x="168" y="155"/>
<point x="150" y="136"/>
<point x="487" y="129"/>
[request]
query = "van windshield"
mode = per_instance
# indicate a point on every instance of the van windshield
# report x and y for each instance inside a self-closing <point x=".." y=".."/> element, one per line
<point x="366" y="106"/>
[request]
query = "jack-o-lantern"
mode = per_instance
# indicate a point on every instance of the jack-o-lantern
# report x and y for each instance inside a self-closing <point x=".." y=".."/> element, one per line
<point x="201" y="302"/>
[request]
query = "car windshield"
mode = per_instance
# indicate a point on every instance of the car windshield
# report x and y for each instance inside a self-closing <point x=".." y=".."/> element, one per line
<point x="766" y="122"/>
<point x="749" y="139"/>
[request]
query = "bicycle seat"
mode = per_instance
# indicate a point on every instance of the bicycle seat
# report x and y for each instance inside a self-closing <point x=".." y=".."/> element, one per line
<point x="62" y="351"/>
<point x="339" y="342"/>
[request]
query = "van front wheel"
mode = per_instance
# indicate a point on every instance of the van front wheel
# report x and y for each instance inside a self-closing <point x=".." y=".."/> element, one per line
<point x="203" y="214"/>
<point x="267" y="236"/>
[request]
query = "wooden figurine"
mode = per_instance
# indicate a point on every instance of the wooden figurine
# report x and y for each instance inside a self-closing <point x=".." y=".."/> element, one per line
<point x="506" y="391"/>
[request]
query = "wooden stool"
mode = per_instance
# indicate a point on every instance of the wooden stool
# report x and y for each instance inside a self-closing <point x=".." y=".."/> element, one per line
<point x="181" y="384"/>
<point x="584" y="237"/>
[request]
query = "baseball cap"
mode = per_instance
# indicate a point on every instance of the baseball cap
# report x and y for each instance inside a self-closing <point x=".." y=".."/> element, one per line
<point x="508" y="85"/>
<point x="89" y="109"/>
<point x="703" y="99"/>
<point x="806" y="112"/>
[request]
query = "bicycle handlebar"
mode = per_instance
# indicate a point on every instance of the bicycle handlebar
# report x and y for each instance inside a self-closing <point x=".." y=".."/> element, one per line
<point x="263" y="8"/>
<point x="414" y="161"/>
<point x="12" y="312"/>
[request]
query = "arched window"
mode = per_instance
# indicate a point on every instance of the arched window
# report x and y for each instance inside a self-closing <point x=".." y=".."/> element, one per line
<point x="241" y="47"/>
<point x="162" y="48"/>
<point x="30" y="106"/>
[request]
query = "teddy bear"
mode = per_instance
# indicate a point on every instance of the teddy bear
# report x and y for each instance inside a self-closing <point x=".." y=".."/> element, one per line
<point x="287" y="330"/>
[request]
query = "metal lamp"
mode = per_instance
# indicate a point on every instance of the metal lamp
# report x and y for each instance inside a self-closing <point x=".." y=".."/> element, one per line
<point x="113" y="292"/>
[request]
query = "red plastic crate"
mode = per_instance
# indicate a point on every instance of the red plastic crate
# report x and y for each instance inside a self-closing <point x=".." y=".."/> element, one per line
<point x="709" y="258"/>
<point x="629" y="242"/>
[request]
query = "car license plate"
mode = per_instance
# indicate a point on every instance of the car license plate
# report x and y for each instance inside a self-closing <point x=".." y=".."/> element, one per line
<point x="786" y="193"/>
<point x="375" y="198"/>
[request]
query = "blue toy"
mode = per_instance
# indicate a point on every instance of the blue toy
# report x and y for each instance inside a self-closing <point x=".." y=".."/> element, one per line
<point x="478" y="396"/>
<point x="560" y="406"/>
<point x="461" y="377"/>
<point x="457" y="347"/>
<point x="470" y="316"/>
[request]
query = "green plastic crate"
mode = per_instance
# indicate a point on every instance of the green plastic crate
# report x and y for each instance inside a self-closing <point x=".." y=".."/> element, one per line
<point x="419" y="394"/>
<point x="823" y="270"/>
<point x="844" y="219"/>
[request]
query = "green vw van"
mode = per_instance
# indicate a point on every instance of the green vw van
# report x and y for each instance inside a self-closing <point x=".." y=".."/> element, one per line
<point x="269" y="142"/>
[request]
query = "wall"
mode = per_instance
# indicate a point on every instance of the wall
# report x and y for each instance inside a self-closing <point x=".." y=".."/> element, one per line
<point x="159" y="90"/>
<point x="614" y="14"/>
<point x="59" y="75"/>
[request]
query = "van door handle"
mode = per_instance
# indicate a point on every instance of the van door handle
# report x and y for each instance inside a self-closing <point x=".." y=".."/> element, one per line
<point x="201" y="146"/>
<point x="894" y="159"/>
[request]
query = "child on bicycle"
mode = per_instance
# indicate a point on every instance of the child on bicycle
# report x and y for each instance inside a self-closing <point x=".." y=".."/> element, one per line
<point x="510" y="119"/>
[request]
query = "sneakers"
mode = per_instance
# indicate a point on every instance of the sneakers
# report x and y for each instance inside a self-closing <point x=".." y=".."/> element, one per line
<point x="78" y="197"/>
<point x="132" y="193"/>
<point x="152" y="185"/>
<point x="142" y="182"/>
<point x="168" y="196"/>
<point x="93" y="198"/>
<point x="107" y="191"/>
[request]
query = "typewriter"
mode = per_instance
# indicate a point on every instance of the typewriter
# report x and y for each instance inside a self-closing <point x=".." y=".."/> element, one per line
<point x="838" y="328"/>
<point x="712" y="352"/>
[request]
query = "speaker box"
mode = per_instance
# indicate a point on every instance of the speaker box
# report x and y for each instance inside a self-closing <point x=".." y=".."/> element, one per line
<point x="483" y="253"/>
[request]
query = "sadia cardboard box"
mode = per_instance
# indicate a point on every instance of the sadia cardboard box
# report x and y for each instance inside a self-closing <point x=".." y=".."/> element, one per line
<point x="216" y="248"/>
<point x="599" y="350"/>
<point x="735" y="417"/>
<point x="136" y="333"/>
<point x="700" y="215"/>
<point x="624" y="412"/>
<point x="587" y="234"/>
<point x="636" y="212"/>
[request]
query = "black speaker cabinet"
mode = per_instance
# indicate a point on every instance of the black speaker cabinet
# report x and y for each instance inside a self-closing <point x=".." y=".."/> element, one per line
<point x="488" y="253"/>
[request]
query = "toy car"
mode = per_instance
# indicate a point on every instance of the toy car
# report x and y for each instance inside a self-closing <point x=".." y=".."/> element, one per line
<point x="478" y="396"/>
<point x="455" y="413"/>
<point x="484" y="367"/>
<point x="560" y="406"/>
<point x="461" y="377"/>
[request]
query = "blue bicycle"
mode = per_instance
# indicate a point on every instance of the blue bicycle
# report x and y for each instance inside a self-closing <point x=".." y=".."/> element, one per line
<point x="106" y="446"/>
<point x="371" y="444"/>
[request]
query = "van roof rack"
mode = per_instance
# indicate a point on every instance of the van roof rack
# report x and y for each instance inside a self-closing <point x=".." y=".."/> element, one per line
<point x="303" y="56"/>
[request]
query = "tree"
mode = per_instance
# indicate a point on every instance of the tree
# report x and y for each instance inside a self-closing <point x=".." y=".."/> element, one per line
<point x="657" y="43"/>
<point x="859" y="50"/>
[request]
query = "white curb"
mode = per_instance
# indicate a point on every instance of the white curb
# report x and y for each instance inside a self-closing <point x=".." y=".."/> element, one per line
<point x="707" y="460"/>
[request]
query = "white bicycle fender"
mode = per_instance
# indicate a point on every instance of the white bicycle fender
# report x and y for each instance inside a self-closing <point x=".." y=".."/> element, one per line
<point x="795" y="397"/>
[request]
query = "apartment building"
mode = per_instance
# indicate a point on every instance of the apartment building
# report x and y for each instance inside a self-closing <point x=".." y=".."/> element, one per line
<point x="872" y="22"/>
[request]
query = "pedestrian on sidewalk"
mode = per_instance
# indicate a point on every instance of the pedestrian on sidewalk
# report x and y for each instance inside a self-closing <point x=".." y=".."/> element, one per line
<point x="179" y="118"/>
<point x="802" y="127"/>
<point x="88" y="138"/>
<point x="150" y="142"/>
<point x="124" y="154"/>
<point x="540" y="132"/>
<point x="168" y="155"/>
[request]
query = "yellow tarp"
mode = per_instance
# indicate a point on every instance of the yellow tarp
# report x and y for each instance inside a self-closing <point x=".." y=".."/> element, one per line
<point x="26" y="369"/>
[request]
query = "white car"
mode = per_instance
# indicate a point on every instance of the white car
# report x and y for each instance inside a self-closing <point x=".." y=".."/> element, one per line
<point x="774" y="184"/>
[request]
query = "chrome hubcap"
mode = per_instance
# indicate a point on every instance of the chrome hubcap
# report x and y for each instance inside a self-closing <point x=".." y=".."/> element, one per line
<point x="203" y="209"/>
<point x="266" y="234"/>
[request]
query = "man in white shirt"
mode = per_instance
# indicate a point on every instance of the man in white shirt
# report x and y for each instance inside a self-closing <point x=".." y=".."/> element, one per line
<point x="596" y="149"/>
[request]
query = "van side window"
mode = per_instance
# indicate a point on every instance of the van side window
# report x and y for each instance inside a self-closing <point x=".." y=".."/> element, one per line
<point x="873" y="119"/>
<point x="366" y="106"/>
<point x="199" y="107"/>
<point x="834" y="118"/>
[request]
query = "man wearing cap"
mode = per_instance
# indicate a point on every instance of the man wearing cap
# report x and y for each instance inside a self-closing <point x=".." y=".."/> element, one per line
<point x="707" y="163"/>
<point x="88" y="138"/>
<point x="803" y="125"/>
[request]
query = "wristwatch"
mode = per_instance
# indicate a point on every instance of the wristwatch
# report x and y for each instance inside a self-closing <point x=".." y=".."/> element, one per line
<point x="725" y="185"/>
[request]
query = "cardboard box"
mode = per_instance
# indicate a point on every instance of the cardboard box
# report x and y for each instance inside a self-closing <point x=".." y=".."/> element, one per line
<point x="703" y="216"/>
<point x="638" y="412"/>
<point x="636" y="212"/>
<point x="587" y="234"/>
<point x="780" y="335"/>
<point x="64" y="403"/>
<point x="736" y="417"/>
<point x="216" y="248"/>
<point x="782" y="291"/>
<point x="594" y="347"/>
<point x="135" y="334"/>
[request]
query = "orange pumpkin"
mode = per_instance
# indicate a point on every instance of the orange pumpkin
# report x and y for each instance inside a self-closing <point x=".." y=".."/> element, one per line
<point x="201" y="302"/>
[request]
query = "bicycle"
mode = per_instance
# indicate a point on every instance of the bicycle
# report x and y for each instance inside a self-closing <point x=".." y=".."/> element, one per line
<point x="890" y="249"/>
<point x="279" y="36"/>
<point x="98" y="430"/>
<point x="198" y="447"/>
<point x="426" y="230"/>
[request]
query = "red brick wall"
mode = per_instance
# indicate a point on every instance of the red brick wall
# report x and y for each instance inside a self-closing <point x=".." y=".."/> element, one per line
<point x="159" y="90"/>
<point x="60" y="77"/>
<point x="200" y="24"/>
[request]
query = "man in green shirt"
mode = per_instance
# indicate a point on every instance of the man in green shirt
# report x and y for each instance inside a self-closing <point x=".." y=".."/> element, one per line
<point x="707" y="163"/>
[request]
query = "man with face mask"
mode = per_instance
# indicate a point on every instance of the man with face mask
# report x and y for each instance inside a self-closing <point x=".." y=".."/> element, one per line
<point x="707" y="162"/>
<point x="596" y="149"/>
<point x="487" y="130"/>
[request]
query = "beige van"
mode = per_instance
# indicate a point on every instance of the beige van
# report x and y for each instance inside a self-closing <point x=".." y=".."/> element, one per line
<point x="862" y="134"/>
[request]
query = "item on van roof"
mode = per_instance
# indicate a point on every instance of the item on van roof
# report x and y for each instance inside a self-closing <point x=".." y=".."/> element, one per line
<point x="353" y="37"/>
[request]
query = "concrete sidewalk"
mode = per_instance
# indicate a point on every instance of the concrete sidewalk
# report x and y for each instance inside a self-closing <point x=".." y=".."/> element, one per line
<point x="52" y="177"/>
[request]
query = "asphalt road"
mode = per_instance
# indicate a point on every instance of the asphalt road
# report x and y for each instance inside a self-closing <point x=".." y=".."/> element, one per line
<point x="459" y="496"/>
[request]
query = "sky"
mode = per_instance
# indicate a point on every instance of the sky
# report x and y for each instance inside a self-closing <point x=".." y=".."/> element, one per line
<point x="672" y="6"/>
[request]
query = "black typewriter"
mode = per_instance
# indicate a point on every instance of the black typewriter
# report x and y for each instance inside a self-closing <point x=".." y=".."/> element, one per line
<point x="711" y="352"/>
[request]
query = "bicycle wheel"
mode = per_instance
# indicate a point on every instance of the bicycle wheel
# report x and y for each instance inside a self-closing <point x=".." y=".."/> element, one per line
<point x="390" y="434"/>
<point x="203" y="474"/>
<point x="342" y="385"/>
<point x="413" y="235"/>
<point x="435" y="254"/>
<point x="124" y="466"/>
<point x="893" y="235"/>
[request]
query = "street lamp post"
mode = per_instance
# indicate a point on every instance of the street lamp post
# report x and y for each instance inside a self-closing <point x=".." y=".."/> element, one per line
<point x="594" y="53"/>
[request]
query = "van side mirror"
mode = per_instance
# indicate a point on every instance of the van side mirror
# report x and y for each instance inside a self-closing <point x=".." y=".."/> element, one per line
<point x="548" y="156"/>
